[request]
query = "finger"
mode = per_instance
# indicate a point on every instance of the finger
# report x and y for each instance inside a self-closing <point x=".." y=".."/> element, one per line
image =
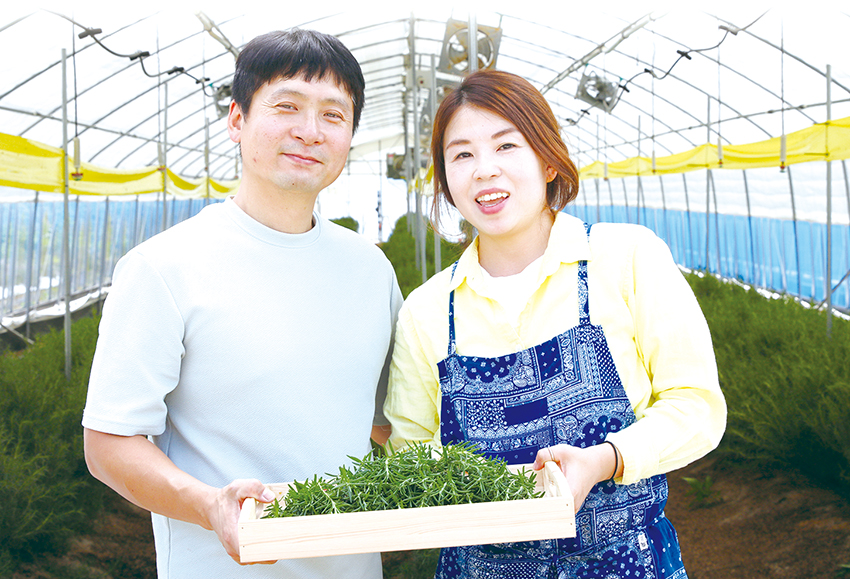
<point x="250" y="488"/>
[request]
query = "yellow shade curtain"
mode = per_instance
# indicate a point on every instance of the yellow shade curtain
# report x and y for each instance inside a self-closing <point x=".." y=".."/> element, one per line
<point x="821" y="142"/>
<point x="28" y="164"/>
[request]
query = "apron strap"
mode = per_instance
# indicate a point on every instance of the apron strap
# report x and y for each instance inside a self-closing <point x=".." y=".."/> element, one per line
<point x="583" y="295"/>
<point x="452" y="344"/>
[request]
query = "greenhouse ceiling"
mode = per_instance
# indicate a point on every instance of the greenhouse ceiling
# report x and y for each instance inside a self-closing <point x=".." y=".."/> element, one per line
<point x="625" y="79"/>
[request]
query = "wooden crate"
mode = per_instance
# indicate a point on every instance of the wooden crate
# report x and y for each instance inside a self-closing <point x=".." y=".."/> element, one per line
<point x="549" y="517"/>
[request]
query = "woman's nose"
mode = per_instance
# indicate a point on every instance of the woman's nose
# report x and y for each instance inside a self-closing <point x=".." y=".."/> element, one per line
<point x="486" y="167"/>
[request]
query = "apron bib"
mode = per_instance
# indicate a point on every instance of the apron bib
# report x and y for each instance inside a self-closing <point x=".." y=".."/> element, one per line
<point x="565" y="390"/>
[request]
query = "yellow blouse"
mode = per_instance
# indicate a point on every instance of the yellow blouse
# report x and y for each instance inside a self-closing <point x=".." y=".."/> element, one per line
<point x="656" y="332"/>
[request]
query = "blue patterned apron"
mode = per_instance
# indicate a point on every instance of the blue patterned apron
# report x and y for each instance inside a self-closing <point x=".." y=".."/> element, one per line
<point x="566" y="390"/>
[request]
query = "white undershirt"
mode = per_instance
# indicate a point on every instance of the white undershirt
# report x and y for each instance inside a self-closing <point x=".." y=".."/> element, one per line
<point x="513" y="291"/>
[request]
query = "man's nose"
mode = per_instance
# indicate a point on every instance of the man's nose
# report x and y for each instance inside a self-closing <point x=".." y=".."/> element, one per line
<point x="308" y="129"/>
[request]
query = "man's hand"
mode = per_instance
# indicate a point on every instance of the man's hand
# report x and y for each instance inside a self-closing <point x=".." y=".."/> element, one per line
<point x="137" y="470"/>
<point x="224" y="507"/>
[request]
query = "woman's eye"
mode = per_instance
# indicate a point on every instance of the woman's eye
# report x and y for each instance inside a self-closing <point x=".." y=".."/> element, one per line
<point x="507" y="146"/>
<point x="463" y="155"/>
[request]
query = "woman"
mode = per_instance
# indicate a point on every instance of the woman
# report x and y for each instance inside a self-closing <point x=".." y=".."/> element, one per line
<point x="551" y="341"/>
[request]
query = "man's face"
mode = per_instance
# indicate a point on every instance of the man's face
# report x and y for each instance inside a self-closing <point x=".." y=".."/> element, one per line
<point x="296" y="136"/>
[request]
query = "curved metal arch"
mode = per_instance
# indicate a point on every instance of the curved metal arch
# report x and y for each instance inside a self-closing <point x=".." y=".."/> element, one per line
<point x="188" y="95"/>
<point x="797" y="58"/>
<point x="58" y="62"/>
<point x="741" y="75"/>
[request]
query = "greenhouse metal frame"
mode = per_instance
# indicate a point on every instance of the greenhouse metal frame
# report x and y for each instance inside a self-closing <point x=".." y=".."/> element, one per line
<point x="726" y="133"/>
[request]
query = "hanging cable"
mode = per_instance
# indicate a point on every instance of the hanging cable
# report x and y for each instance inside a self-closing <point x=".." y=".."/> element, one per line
<point x="623" y="87"/>
<point x="139" y="55"/>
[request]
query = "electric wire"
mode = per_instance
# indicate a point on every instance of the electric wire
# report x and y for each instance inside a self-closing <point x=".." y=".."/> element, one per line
<point x="139" y="56"/>
<point x="623" y="86"/>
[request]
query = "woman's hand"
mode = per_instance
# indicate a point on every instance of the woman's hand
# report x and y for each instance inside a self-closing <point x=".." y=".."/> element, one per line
<point x="582" y="467"/>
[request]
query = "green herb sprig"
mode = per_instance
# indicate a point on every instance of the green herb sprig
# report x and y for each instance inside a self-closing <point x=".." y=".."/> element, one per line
<point x="408" y="479"/>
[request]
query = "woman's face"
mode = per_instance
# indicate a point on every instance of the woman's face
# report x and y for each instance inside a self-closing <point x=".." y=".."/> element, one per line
<point x="496" y="180"/>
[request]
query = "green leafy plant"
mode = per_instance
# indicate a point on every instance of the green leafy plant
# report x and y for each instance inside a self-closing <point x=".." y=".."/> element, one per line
<point x="702" y="492"/>
<point x="46" y="492"/>
<point x="347" y="222"/>
<point x="786" y="382"/>
<point x="400" y="249"/>
<point x="408" y="479"/>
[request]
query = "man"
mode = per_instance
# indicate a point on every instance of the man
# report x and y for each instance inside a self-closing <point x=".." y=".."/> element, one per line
<point x="249" y="344"/>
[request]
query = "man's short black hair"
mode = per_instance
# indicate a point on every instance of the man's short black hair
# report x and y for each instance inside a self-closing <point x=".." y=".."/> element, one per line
<point x="296" y="53"/>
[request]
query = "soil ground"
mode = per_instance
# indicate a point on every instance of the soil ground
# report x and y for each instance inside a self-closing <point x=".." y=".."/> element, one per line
<point x="746" y="524"/>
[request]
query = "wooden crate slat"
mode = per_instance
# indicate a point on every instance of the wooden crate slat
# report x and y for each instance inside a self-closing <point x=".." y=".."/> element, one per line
<point x="549" y="517"/>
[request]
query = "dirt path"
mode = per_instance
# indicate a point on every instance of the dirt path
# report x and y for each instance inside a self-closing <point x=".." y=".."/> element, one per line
<point x="760" y="525"/>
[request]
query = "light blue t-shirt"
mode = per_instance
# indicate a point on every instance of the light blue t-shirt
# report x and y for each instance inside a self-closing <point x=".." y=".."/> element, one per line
<point x="244" y="352"/>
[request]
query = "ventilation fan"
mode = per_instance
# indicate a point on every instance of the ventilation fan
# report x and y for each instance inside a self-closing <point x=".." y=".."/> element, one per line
<point x="455" y="55"/>
<point x="597" y="91"/>
<point x="222" y="100"/>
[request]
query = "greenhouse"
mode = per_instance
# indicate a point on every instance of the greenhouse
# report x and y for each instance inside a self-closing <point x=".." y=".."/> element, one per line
<point x="724" y="128"/>
<point x="726" y="133"/>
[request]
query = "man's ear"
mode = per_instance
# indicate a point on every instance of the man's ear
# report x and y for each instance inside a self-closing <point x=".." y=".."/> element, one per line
<point x="235" y="120"/>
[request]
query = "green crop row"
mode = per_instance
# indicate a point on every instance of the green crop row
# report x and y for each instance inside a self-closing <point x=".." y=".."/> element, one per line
<point x="45" y="489"/>
<point x="786" y="380"/>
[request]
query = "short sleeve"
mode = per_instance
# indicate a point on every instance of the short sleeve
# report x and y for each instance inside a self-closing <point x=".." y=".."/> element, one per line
<point x="138" y="355"/>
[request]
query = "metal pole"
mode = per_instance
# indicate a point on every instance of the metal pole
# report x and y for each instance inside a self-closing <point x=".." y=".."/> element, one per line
<point x="716" y="225"/>
<point x="750" y="227"/>
<point x="52" y="260"/>
<point x="206" y="157"/>
<point x="379" y="208"/>
<point x="30" y="252"/>
<point x="472" y="43"/>
<point x="828" y="274"/>
<point x="688" y="212"/>
<point x="598" y="201"/>
<point x="417" y="162"/>
<point x="104" y="242"/>
<point x="438" y="262"/>
<point x="408" y="165"/>
<point x="626" y="198"/>
<point x="637" y="174"/>
<point x="847" y="192"/>
<point x="67" y="219"/>
<point x="664" y="209"/>
<point x="707" y="187"/>
<point x="39" y="260"/>
<point x="164" y="160"/>
<point x="796" y="243"/>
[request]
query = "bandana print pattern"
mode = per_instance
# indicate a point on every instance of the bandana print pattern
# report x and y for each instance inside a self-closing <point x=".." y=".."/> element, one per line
<point x="566" y="390"/>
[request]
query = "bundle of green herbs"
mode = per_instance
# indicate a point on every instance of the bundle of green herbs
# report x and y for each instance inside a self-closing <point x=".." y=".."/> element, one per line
<point x="411" y="478"/>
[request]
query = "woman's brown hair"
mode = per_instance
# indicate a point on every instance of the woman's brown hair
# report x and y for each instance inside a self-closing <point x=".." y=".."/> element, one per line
<point x="516" y="100"/>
